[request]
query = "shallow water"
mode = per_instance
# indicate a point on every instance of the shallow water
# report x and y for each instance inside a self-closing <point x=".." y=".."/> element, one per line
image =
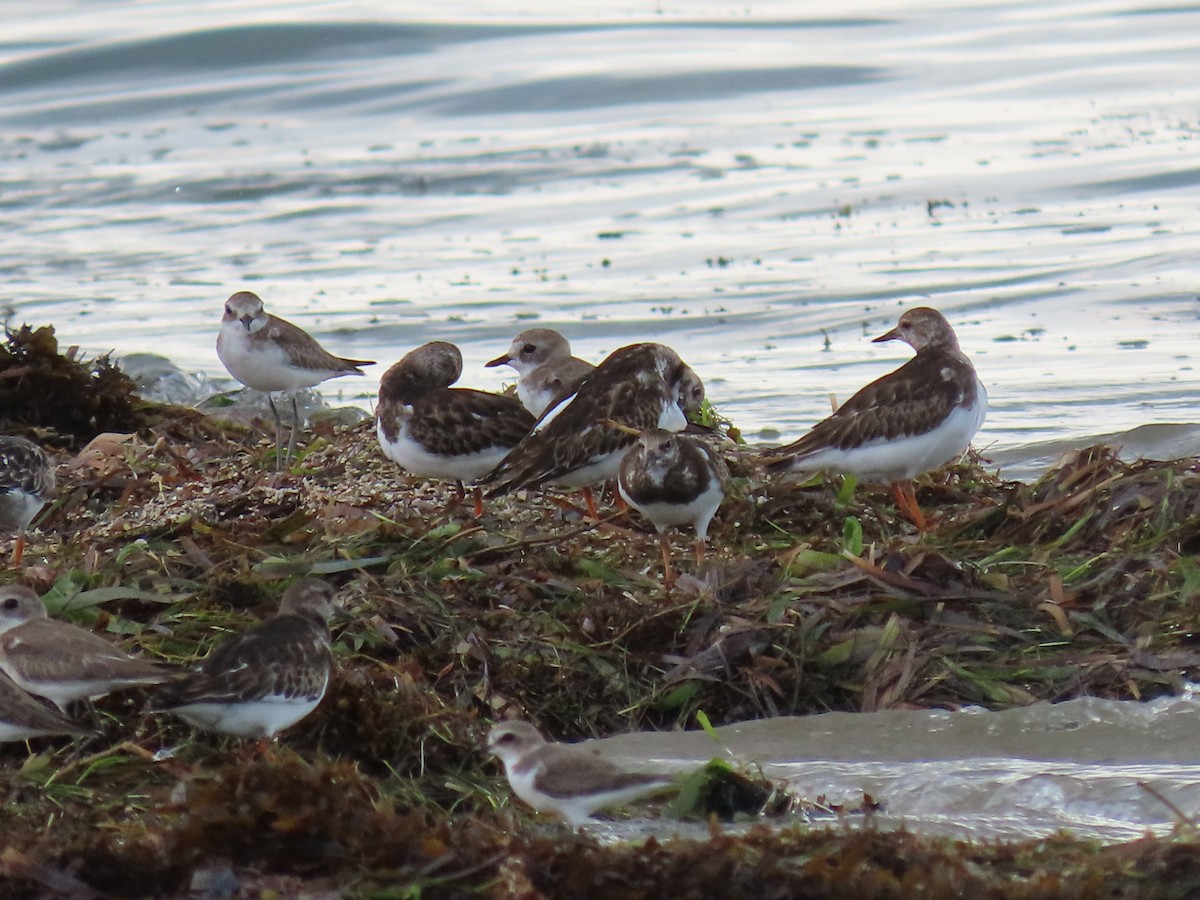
<point x="763" y="187"/>
<point x="1089" y="766"/>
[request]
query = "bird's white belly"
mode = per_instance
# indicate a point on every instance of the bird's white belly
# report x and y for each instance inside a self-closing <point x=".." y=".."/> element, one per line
<point x="902" y="458"/>
<point x="17" y="509"/>
<point x="598" y="471"/>
<point x="697" y="513"/>
<point x="414" y="458"/>
<point x="263" y="366"/>
<point x="250" y="718"/>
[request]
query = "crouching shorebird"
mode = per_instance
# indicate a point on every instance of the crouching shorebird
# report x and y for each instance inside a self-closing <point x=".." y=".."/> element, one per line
<point x="673" y="479"/>
<point x="579" y="442"/>
<point x="546" y="370"/>
<point x="265" y="680"/>
<point x="564" y="780"/>
<point x="60" y="661"/>
<point x="27" y="483"/>
<point x="269" y="354"/>
<point x="432" y="429"/>
<point x="908" y="422"/>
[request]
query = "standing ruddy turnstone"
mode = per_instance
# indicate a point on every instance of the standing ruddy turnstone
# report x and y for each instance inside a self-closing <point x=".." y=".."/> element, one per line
<point x="563" y="780"/>
<point x="673" y="479"/>
<point x="60" y="661"/>
<point x="438" y="431"/>
<point x="268" y="678"/>
<point x="579" y="441"/>
<point x="22" y="717"/>
<point x="908" y="422"/>
<point x="546" y="370"/>
<point x="269" y="354"/>
<point x="26" y="484"/>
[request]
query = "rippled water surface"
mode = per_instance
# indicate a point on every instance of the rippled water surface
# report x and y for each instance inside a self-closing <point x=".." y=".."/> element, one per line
<point x="763" y="186"/>
<point x="1103" y="769"/>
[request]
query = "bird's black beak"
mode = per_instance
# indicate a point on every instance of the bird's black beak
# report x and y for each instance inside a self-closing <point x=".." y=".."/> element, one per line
<point x="890" y="336"/>
<point x="499" y="361"/>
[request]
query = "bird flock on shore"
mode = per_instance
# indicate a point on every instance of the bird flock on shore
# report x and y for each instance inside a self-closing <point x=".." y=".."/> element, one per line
<point x="572" y="425"/>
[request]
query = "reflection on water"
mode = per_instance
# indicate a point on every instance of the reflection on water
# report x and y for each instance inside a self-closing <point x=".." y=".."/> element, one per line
<point x="763" y="187"/>
<point x="1095" y="767"/>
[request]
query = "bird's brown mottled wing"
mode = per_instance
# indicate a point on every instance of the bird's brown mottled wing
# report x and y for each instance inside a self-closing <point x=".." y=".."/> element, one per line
<point x="25" y="466"/>
<point x="580" y="433"/>
<point x="459" y="421"/>
<point x="910" y="401"/>
<point x="287" y="655"/>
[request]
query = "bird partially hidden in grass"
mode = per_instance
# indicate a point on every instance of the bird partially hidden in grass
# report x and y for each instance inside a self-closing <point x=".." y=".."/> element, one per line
<point x="60" y="661"/>
<point x="270" y="354"/>
<point x="908" y="422"/>
<point x="673" y="480"/>
<point x="27" y="483"/>
<point x="565" y="780"/>
<point x="266" y="679"/>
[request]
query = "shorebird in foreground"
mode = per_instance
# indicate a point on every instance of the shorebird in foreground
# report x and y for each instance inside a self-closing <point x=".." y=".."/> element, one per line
<point x="22" y="717"/>
<point x="60" y="661"/>
<point x="26" y="485"/>
<point x="908" y="422"/>
<point x="579" y="441"/>
<point x="269" y="354"/>
<point x="268" y="678"/>
<point x="432" y="429"/>
<point x="546" y="370"/>
<point x="673" y="479"/>
<point x="564" y="780"/>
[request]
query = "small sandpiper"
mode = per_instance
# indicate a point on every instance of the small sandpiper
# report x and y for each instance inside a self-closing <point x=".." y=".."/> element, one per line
<point x="579" y="442"/>
<point x="673" y="479"/>
<point x="546" y="370"/>
<point x="564" y="780"/>
<point x="434" y="430"/>
<point x="22" y="717"/>
<point x="266" y="679"/>
<point x="908" y="422"/>
<point x="269" y="354"/>
<point x="60" y="661"/>
<point x="27" y="483"/>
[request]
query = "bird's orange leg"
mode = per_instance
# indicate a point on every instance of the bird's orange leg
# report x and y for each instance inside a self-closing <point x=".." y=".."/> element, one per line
<point x="906" y="500"/>
<point x="668" y="573"/>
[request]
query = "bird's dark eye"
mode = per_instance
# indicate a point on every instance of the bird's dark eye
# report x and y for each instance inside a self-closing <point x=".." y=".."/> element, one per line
<point x="506" y="739"/>
<point x="667" y="445"/>
<point x="530" y="348"/>
<point x="10" y="603"/>
<point x="228" y="310"/>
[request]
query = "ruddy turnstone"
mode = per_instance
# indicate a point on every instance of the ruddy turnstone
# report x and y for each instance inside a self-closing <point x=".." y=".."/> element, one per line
<point x="60" y="661"/>
<point x="909" y="421"/>
<point x="22" y="717"/>
<point x="563" y="780"/>
<point x="579" y="441"/>
<point x="266" y="679"/>
<point x="269" y="354"/>
<point x="26" y="485"/>
<point x="546" y="370"/>
<point x="673" y="479"/>
<point x="437" y="431"/>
